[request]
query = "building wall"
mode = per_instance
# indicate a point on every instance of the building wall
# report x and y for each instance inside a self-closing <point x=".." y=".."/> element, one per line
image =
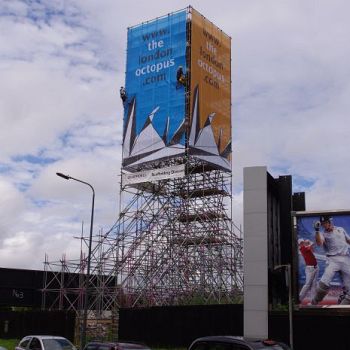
<point x="255" y="252"/>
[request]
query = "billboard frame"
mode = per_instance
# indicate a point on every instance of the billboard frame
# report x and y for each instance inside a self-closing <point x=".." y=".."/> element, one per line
<point x="295" y="258"/>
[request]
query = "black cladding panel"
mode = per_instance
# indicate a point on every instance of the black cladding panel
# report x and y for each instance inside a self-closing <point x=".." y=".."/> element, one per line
<point x="20" y="287"/>
<point x="299" y="201"/>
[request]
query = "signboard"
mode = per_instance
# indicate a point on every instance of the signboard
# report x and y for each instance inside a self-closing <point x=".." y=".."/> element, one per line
<point x="20" y="297"/>
<point x="323" y="241"/>
<point x="210" y="131"/>
<point x="153" y="175"/>
<point x="154" y="102"/>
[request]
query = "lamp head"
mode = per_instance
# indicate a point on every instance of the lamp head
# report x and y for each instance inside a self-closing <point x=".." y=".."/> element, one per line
<point x="67" y="177"/>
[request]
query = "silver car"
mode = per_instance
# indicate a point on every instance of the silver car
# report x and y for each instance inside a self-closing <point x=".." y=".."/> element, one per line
<point x="45" y="342"/>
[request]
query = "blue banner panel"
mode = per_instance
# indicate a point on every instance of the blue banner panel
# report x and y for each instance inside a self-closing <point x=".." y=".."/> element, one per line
<point x="324" y="259"/>
<point x="154" y="101"/>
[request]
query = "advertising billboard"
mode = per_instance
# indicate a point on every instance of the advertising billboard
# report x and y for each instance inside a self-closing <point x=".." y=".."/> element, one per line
<point x="323" y="242"/>
<point x="210" y="123"/>
<point x="154" y="101"/>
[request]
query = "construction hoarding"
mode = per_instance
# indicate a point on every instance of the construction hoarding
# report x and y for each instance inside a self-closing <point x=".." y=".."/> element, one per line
<point x="323" y="259"/>
<point x="210" y="133"/>
<point x="154" y="108"/>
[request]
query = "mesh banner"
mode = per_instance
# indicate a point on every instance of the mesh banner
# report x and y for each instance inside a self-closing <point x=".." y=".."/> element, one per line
<point x="210" y="130"/>
<point x="154" y="100"/>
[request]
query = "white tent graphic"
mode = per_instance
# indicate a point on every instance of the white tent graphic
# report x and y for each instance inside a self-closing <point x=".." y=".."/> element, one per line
<point x="202" y="142"/>
<point x="148" y="145"/>
<point x="148" y="140"/>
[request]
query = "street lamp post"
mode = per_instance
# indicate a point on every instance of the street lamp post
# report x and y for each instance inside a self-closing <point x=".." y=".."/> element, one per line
<point x="290" y="300"/>
<point x="85" y="312"/>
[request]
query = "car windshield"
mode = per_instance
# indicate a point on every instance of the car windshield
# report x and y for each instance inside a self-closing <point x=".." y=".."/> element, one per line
<point x="132" y="346"/>
<point x="273" y="347"/>
<point x="58" y="344"/>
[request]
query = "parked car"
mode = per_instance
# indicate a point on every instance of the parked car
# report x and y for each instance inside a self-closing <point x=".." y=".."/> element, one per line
<point x="115" y="346"/>
<point x="235" y="343"/>
<point x="45" y="342"/>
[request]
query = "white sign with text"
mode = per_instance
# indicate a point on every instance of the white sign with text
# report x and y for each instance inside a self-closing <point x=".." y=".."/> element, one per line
<point x="153" y="175"/>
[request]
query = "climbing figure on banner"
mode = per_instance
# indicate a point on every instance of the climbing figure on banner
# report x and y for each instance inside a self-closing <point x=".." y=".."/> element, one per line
<point x="123" y="94"/>
<point x="181" y="78"/>
<point x="311" y="268"/>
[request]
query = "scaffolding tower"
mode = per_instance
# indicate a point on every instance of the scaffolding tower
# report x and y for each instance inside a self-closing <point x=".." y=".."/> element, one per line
<point x="174" y="243"/>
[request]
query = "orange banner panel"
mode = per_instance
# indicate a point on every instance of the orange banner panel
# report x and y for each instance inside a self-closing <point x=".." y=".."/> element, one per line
<point x="210" y="134"/>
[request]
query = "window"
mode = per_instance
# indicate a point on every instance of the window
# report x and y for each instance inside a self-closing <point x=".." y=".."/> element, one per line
<point x="35" y="344"/>
<point x="24" y="342"/>
<point x="58" y="344"/>
<point x="105" y="347"/>
<point x="219" y="346"/>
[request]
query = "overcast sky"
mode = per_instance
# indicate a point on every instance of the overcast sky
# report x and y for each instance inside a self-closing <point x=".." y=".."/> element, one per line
<point x="61" y="66"/>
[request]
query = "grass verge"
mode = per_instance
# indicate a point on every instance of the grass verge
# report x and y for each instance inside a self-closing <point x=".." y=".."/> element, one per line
<point x="9" y="344"/>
